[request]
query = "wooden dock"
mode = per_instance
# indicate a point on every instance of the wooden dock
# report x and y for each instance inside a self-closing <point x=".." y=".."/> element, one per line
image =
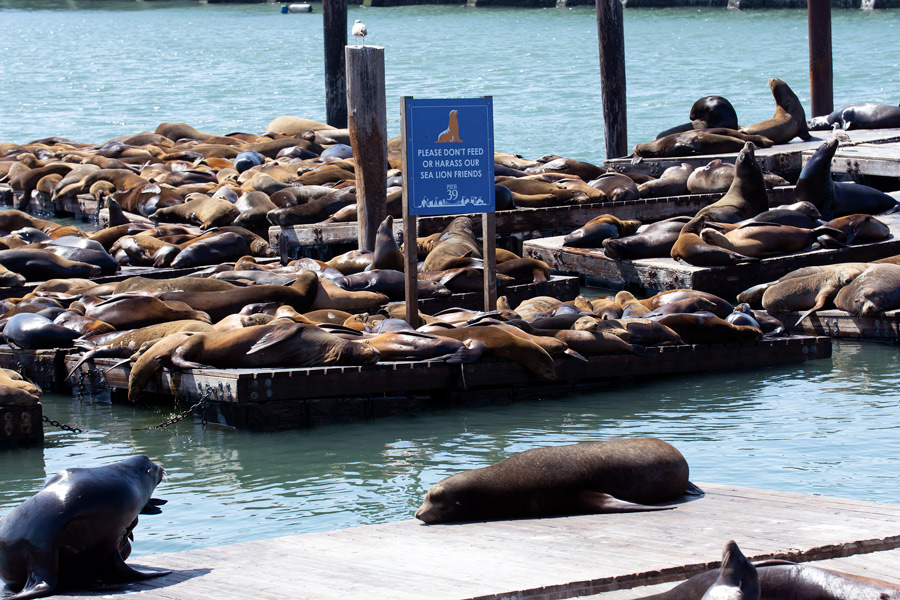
<point x="843" y="325"/>
<point x="541" y="559"/>
<point x="874" y="159"/>
<point x="782" y="159"/>
<point x="325" y="240"/>
<point x="284" y="398"/>
<point x="652" y="275"/>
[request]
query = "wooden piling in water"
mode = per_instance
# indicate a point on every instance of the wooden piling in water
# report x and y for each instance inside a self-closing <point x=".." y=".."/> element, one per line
<point x="334" y="21"/>
<point x="611" y="34"/>
<point x="820" y="67"/>
<point x="367" y="121"/>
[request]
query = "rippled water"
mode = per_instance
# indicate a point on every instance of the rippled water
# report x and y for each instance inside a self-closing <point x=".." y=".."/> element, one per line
<point x="826" y="427"/>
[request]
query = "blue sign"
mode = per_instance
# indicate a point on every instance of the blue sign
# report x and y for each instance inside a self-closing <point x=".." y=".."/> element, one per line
<point x="450" y="156"/>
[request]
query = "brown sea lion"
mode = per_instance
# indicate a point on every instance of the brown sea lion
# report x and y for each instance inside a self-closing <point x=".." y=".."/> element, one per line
<point x="329" y="295"/>
<point x="765" y="240"/>
<point x="36" y="264"/>
<point x="650" y="241"/>
<point x="699" y="328"/>
<point x="715" y="176"/>
<point x="294" y="126"/>
<point x="616" y="187"/>
<point x="860" y="229"/>
<point x="221" y="247"/>
<point x="415" y="345"/>
<point x="15" y="391"/>
<point x="503" y="344"/>
<point x="387" y="253"/>
<point x="672" y="182"/>
<point x="789" y="120"/>
<point x="583" y="170"/>
<point x="591" y="477"/>
<point x="873" y="292"/>
<point x="351" y="262"/>
<point x="690" y="248"/>
<point x="746" y="196"/>
<point x="205" y="212"/>
<point x="722" y="307"/>
<point x="600" y="228"/>
<point x="180" y="131"/>
<point x="694" y="142"/>
<point x="132" y="312"/>
<point x="809" y="289"/>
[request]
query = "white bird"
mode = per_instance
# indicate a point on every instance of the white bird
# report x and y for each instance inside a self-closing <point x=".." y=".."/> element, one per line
<point x="359" y="30"/>
<point x="839" y="134"/>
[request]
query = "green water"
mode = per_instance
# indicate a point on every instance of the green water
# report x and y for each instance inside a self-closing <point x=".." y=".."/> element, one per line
<point x="827" y="427"/>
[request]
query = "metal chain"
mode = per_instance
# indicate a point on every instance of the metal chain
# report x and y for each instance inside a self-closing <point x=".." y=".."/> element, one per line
<point x="200" y="403"/>
<point x="62" y="426"/>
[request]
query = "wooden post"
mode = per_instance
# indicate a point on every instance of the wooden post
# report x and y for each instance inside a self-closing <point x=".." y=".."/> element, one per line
<point x="367" y="121"/>
<point x="611" y="33"/>
<point x="334" y="20"/>
<point x="410" y="249"/>
<point x="489" y="255"/>
<point x="820" y="67"/>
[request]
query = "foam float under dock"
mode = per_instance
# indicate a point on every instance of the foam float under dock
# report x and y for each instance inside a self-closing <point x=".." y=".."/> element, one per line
<point x="652" y="275"/>
<point x="783" y="159"/>
<point x="542" y="559"/>
<point x="284" y="398"/>
<point x="325" y="240"/>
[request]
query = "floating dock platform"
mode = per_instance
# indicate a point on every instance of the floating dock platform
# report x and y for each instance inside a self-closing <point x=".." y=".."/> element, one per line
<point x="782" y="159"/>
<point x="534" y="559"/>
<point x="325" y="240"/>
<point x="878" y="159"/>
<point x="653" y="275"/>
<point x="843" y="325"/>
<point x="284" y="398"/>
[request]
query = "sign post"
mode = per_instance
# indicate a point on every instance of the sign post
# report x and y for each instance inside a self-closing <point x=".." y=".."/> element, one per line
<point x="448" y="166"/>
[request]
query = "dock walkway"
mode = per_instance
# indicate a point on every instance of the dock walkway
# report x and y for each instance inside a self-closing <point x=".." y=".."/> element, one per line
<point x="540" y="559"/>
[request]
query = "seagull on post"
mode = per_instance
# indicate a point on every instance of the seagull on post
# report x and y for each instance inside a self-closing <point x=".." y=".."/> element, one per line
<point x="359" y="31"/>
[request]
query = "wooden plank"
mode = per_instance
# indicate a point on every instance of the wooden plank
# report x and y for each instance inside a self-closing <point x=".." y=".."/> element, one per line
<point x="325" y="240"/>
<point x="781" y="158"/>
<point x="841" y="324"/>
<point x="653" y="275"/>
<point x="882" y="160"/>
<point x="286" y="398"/>
<point x="538" y="559"/>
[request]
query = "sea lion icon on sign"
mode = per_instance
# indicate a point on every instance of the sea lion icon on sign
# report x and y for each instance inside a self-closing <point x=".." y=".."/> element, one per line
<point x="451" y="134"/>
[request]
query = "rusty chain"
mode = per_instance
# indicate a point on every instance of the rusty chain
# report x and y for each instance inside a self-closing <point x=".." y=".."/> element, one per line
<point x="62" y="426"/>
<point x="201" y="403"/>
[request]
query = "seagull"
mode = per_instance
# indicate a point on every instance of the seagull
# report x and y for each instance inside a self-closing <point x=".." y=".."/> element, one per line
<point x="839" y="134"/>
<point x="359" y="30"/>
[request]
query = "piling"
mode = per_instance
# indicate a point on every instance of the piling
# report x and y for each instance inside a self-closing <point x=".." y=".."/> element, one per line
<point x="334" y="19"/>
<point x="611" y="34"/>
<point x="820" y="67"/>
<point x="367" y="121"/>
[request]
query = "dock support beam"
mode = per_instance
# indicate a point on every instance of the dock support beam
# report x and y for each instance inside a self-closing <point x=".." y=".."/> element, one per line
<point x="820" y="66"/>
<point x="611" y="33"/>
<point x="334" y="18"/>
<point x="367" y="121"/>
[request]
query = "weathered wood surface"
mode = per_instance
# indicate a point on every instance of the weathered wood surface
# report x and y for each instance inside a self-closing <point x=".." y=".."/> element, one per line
<point x="45" y="368"/>
<point x="882" y="160"/>
<point x="540" y="559"/>
<point x="780" y="159"/>
<point x="841" y="324"/>
<point x="611" y="38"/>
<point x="652" y="275"/>
<point x="334" y="25"/>
<point x="269" y="399"/>
<point x="21" y="426"/>
<point x="325" y="240"/>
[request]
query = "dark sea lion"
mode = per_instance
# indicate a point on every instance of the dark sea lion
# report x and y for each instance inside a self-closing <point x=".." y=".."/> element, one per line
<point x="860" y="229"/>
<point x="415" y="345"/>
<point x="205" y="212"/>
<point x="76" y="529"/>
<point x="82" y="324"/>
<point x="690" y="248"/>
<point x="314" y="210"/>
<point x="715" y="176"/>
<point x="34" y="331"/>
<point x="524" y="270"/>
<point x="789" y="120"/>
<point x="873" y="292"/>
<point x="569" y="166"/>
<point x="783" y="580"/>
<point x="253" y="207"/>
<point x="808" y="290"/>
<point x="387" y="251"/>
<point x="706" y="113"/>
<point x="672" y="182"/>
<point x="222" y="247"/>
<point x="746" y="196"/>
<point x="722" y="307"/>
<point x="800" y="214"/>
<point x="391" y="283"/>
<point x="650" y="241"/>
<point x="591" y="477"/>
<point x="299" y="295"/>
<point x="503" y="344"/>
<point x="834" y="198"/>
<point x="737" y="578"/>
<point x="696" y="142"/>
<point x="37" y="264"/>
<point x="699" y="328"/>
<point x="92" y="256"/>
<point x="860" y="115"/>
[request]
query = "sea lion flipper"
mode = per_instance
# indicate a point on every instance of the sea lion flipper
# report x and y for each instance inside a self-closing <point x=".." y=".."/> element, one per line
<point x="152" y="506"/>
<point x="34" y="589"/>
<point x="600" y="503"/>
<point x="118" y="572"/>
<point x="693" y="490"/>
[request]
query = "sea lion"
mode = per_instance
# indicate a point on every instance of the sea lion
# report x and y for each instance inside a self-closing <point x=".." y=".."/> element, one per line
<point x="789" y="120"/>
<point x="808" y="289"/>
<point x="222" y="247"/>
<point x="294" y="126"/>
<point x="76" y="529"/>
<point x="722" y="307"/>
<point x="672" y="182"/>
<point x="391" y="283"/>
<point x="36" y="264"/>
<point x="837" y="198"/>
<point x="697" y="142"/>
<point x="690" y="248"/>
<point x="715" y="176"/>
<point x="133" y="312"/>
<point x="746" y="196"/>
<point x="591" y="477"/>
<point x="205" y="212"/>
<point x="503" y="344"/>
<point x="15" y="391"/>
<point x="329" y="295"/>
<point x="650" y="241"/>
<point x="706" y="113"/>
<point x="737" y="578"/>
<point x="874" y="291"/>
<point x="784" y="580"/>
<point x="387" y="251"/>
<point x="584" y="171"/>
<point x="860" y="229"/>
<point x="616" y="187"/>
<point x="860" y="115"/>
<point x="12" y="219"/>
<point x="766" y="239"/>
<point x="34" y="331"/>
<point x="703" y="328"/>
<point x="415" y="345"/>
